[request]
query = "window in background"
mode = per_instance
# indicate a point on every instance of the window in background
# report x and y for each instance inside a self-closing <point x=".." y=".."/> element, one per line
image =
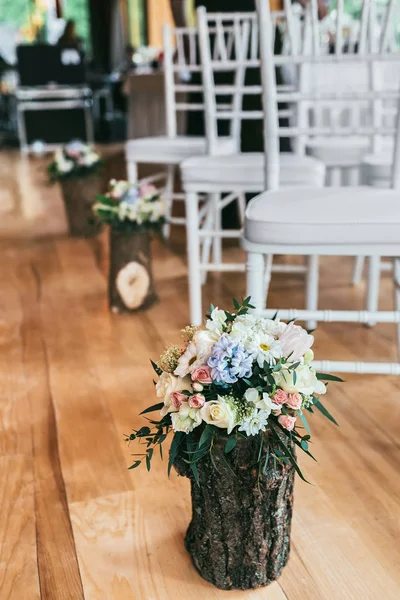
<point x="137" y="14"/>
<point x="79" y="11"/>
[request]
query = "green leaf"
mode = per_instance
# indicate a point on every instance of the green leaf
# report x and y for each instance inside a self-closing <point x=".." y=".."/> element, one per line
<point x="195" y="472"/>
<point x="143" y="432"/>
<point x="176" y="442"/>
<point x="156" y="368"/>
<point x="236" y="304"/>
<point x="153" y="408"/>
<point x="327" y="377"/>
<point x="230" y="444"/>
<point x="135" y="464"/>
<point x="318" y="404"/>
<point x="305" y="423"/>
<point x="207" y="435"/>
<point x="148" y="463"/>
<point x="288" y="453"/>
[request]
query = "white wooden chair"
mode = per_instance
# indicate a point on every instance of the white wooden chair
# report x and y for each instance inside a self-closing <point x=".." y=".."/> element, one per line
<point x="181" y="62"/>
<point x="237" y="173"/>
<point x="355" y="221"/>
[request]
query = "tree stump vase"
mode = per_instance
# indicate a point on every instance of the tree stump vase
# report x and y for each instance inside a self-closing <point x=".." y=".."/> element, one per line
<point x="239" y="536"/>
<point x="130" y="284"/>
<point x="79" y="196"/>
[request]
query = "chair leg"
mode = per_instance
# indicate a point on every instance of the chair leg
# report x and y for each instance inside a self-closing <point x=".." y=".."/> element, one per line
<point x="193" y="252"/>
<point x="169" y="199"/>
<point x="312" y="287"/>
<point x="267" y="277"/>
<point x="217" y="241"/>
<point x="206" y="247"/>
<point x="255" y="280"/>
<point x="374" y="274"/>
<point x="241" y="207"/>
<point x="396" y="281"/>
<point x="358" y="269"/>
<point x="132" y="169"/>
<point x="335" y="177"/>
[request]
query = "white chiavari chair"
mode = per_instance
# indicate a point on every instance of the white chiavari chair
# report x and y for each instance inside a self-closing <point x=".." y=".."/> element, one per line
<point x="347" y="221"/>
<point x="181" y="65"/>
<point x="239" y="173"/>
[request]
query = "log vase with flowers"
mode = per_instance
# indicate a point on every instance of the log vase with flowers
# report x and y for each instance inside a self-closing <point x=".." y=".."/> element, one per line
<point x="78" y="168"/>
<point x="236" y="399"/>
<point x="133" y="212"/>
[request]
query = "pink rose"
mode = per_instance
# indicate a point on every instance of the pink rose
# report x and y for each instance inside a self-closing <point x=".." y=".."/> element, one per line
<point x="287" y="422"/>
<point x="198" y="387"/>
<point x="197" y="401"/>
<point x="279" y="398"/>
<point x="146" y="189"/>
<point x="177" y="399"/>
<point x="202" y="375"/>
<point x="295" y="341"/>
<point x="294" y="401"/>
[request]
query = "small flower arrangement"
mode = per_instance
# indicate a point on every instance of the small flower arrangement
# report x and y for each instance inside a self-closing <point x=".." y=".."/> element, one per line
<point x="131" y="207"/>
<point x="241" y="376"/>
<point x="75" y="159"/>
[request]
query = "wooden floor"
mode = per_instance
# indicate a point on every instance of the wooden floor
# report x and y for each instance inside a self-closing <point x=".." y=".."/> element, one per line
<point x="74" y="522"/>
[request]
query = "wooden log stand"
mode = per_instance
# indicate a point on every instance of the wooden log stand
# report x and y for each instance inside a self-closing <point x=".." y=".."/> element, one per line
<point x="130" y="284"/>
<point x="239" y="536"/>
<point x="79" y="196"/>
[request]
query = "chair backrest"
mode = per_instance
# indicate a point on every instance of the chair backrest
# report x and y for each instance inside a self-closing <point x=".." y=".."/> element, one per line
<point x="316" y="63"/>
<point x="229" y="44"/>
<point x="181" y="65"/>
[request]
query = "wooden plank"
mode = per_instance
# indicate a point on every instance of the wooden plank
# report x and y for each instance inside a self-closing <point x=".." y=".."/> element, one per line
<point x="18" y="565"/>
<point x="56" y="557"/>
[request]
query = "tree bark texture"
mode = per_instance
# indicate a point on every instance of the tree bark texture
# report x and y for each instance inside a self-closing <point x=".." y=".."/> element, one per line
<point x="239" y="536"/>
<point x="131" y="284"/>
<point x="79" y="196"/>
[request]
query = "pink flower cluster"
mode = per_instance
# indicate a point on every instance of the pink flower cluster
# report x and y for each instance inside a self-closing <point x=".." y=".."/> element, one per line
<point x="293" y="401"/>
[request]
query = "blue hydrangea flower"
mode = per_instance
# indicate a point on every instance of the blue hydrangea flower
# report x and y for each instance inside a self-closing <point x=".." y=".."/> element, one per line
<point x="130" y="196"/>
<point x="229" y="361"/>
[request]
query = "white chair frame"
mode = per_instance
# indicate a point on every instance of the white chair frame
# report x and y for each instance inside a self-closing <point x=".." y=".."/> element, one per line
<point x="257" y="251"/>
<point x="211" y="231"/>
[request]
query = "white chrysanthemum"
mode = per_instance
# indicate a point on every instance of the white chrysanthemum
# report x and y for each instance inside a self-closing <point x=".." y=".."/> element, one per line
<point x="272" y="327"/>
<point x="191" y="359"/>
<point x="264" y="348"/>
<point x="255" y="423"/>
<point x="243" y="329"/>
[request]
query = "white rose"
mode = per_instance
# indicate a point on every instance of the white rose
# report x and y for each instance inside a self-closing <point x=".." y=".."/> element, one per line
<point x="251" y="395"/>
<point x="306" y="381"/>
<point x="167" y="385"/>
<point x="186" y="419"/>
<point x="220" y="414"/>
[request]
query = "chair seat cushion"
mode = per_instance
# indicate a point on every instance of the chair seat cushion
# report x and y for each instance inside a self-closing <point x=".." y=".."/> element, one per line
<point x="246" y="171"/>
<point x="347" y="215"/>
<point x="165" y="150"/>
<point x="338" y="151"/>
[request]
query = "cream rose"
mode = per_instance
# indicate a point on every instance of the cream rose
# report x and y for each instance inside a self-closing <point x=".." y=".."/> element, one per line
<point x="220" y="414"/>
<point x="306" y="381"/>
<point x="167" y="385"/>
<point x="186" y="419"/>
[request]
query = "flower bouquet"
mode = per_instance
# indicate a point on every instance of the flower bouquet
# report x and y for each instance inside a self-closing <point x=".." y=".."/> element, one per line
<point x="236" y="399"/>
<point x="78" y="169"/>
<point x="132" y="211"/>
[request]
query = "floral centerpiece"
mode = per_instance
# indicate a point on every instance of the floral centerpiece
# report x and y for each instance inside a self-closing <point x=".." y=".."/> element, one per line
<point x="132" y="211"/>
<point x="75" y="159"/>
<point x="77" y="166"/>
<point x="236" y="399"/>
